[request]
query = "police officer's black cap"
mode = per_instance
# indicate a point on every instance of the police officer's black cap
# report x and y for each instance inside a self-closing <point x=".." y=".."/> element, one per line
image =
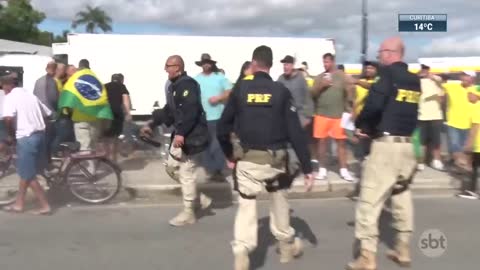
<point x="424" y="67"/>
<point x="370" y="63"/>
<point x="288" y="60"/>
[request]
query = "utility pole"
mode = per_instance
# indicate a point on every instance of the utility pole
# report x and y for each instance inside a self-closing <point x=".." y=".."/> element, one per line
<point x="364" y="31"/>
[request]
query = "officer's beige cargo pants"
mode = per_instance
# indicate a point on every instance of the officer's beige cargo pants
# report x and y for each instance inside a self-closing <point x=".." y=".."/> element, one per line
<point x="389" y="161"/>
<point x="251" y="179"/>
<point x="187" y="174"/>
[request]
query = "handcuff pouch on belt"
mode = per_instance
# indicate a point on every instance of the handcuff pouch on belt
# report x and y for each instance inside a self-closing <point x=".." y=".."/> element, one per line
<point x="403" y="184"/>
<point x="285" y="180"/>
<point x="278" y="159"/>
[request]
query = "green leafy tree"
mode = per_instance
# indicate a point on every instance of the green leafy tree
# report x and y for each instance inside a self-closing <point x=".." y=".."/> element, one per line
<point x="44" y="38"/>
<point x="19" y="21"/>
<point x="93" y="18"/>
<point x="62" y="37"/>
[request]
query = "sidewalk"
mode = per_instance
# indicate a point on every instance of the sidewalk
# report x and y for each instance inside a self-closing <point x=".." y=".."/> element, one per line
<point x="146" y="179"/>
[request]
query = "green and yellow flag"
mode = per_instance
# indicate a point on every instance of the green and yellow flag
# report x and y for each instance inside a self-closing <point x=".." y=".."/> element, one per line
<point x="86" y="96"/>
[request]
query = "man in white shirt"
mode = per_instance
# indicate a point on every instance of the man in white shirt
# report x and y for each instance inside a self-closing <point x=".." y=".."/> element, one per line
<point x="24" y="111"/>
<point x="430" y="117"/>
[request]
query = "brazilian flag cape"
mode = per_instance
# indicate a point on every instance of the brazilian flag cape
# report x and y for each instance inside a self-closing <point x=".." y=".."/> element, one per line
<point x="86" y="96"/>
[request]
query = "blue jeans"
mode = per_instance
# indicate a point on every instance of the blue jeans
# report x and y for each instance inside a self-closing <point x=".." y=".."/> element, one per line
<point x="456" y="139"/>
<point x="3" y="131"/>
<point x="31" y="155"/>
<point x="213" y="158"/>
<point x="64" y="132"/>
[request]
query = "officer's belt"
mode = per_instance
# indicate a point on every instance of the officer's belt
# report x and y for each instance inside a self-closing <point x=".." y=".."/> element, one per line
<point x="273" y="147"/>
<point x="278" y="159"/>
<point x="275" y="158"/>
<point x="394" y="139"/>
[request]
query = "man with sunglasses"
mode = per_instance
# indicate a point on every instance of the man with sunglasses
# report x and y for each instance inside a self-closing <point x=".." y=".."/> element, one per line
<point x="183" y="111"/>
<point x="389" y="117"/>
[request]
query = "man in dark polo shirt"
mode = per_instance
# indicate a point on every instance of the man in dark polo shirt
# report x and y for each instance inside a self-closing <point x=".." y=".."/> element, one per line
<point x="119" y="99"/>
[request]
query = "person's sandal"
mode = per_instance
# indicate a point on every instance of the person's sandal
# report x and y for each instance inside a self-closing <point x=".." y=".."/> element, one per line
<point x="41" y="212"/>
<point x="11" y="209"/>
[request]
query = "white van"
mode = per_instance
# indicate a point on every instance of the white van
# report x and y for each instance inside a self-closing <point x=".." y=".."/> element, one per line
<point x="28" y="67"/>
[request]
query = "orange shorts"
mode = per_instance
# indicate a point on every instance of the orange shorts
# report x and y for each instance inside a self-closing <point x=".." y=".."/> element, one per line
<point x="324" y="127"/>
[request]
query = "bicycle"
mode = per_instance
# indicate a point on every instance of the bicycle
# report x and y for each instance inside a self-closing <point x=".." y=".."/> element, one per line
<point x="66" y="170"/>
<point x="131" y="139"/>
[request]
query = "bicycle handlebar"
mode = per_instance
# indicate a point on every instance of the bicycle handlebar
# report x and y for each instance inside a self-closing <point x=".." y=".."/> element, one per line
<point x="133" y="130"/>
<point x="150" y="141"/>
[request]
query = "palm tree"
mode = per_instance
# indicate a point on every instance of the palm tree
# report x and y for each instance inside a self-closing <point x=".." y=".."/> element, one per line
<point x="93" y="18"/>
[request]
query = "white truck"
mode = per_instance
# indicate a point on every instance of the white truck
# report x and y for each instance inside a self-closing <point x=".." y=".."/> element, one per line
<point x="141" y="58"/>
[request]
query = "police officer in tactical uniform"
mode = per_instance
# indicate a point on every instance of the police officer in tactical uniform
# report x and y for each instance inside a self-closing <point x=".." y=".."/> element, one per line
<point x="261" y="113"/>
<point x="190" y="136"/>
<point x="389" y="118"/>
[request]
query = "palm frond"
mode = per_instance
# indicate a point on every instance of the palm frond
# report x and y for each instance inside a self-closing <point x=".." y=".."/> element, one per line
<point x="93" y="17"/>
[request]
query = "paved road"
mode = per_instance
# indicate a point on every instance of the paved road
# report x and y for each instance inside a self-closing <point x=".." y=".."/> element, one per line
<point x="138" y="237"/>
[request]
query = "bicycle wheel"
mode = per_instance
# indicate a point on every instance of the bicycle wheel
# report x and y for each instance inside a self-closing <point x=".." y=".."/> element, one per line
<point x="4" y="166"/>
<point x="8" y="182"/>
<point x="93" y="181"/>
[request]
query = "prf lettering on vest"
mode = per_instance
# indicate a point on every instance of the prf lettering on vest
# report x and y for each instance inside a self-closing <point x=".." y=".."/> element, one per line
<point x="259" y="98"/>
<point x="409" y="96"/>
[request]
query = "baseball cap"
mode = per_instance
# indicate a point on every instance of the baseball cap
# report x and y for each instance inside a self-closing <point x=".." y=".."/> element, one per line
<point x="370" y="63"/>
<point x="303" y="66"/>
<point x="288" y="59"/>
<point x="470" y="73"/>
<point x="422" y="66"/>
<point x="8" y="79"/>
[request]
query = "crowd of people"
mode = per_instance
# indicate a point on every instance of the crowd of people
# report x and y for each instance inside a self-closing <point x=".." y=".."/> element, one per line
<point x="321" y="100"/>
<point x="269" y="117"/>
<point x="37" y="124"/>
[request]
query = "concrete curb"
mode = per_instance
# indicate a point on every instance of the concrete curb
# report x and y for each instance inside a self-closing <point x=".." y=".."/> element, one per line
<point x="150" y="184"/>
<point x="223" y="192"/>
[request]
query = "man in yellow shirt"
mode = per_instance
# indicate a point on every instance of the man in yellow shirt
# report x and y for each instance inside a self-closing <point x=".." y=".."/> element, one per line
<point x="472" y="145"/>
<point x="306" y="75"/>
<point x="362" y="149"/>
<point x="459" y="115"/>
<point x="60" y="76"/>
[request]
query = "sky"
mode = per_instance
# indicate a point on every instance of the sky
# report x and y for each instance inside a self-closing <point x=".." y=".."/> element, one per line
<point x="337" y="19"/>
